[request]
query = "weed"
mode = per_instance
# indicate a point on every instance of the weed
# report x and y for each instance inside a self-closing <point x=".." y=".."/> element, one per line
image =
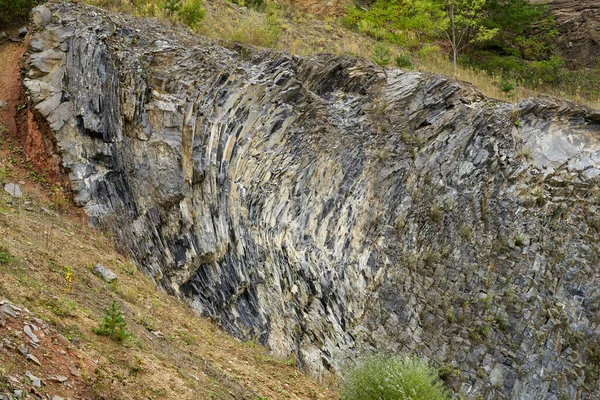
<point x="68" y="279"/>
<point x="594" y="223"/>
<point x="381" y="54"/>
<point x="466" y="231"/>
<point x="5" y="256"/>
<point x="403" y="61"/>
<point x="60" y="202"/>
<point x="506" y="86"/>
<point x="519" y="239"/>
<point x="538" y="194"/>
<point x="171" y="6"/>
<point x="435" y="214"/>
<point x="37" y="177"/>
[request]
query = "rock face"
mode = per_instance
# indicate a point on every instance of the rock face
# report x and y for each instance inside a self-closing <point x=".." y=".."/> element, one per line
<point x="327" y="207"/>
<point x="579" y="27"/>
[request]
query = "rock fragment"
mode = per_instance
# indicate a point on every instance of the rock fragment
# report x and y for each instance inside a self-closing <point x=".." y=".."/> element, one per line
<point x="35" y="381"/>
<point x="40" y="16"/>
<point x="104" y="273"/>
<point x="33" y="359"/>
<point x="9" y="310"/>
<point x="58" y="378"/>
<point x="23" y="350"/>
<point x="29" y="332"/>
<point x="14" y="189"/>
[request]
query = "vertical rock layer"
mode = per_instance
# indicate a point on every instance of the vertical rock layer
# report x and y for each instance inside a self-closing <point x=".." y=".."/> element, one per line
<point x="327" y="207"/>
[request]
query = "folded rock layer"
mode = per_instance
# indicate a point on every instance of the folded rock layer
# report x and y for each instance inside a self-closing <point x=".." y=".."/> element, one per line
<point x="328" y="207"/>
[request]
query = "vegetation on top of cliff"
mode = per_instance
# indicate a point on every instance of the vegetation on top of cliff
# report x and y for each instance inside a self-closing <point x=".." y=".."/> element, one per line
<point x="504" y="47"/>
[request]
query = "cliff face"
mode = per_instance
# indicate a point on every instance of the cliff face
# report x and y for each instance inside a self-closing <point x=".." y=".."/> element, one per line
<point x="327" y="206"/>
<point x="578" y="23"/>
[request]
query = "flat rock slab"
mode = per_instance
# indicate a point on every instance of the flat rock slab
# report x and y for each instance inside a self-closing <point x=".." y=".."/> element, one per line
<point x="14" y="189"/>
<point x="9" y="310"/>
<point x="35" y="381"/>
<point x="104" y="273"/>
<point x="30" y="333"/>
<point x="33" y="359"/>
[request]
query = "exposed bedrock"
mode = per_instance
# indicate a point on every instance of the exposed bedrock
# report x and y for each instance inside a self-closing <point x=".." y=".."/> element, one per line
<point x="327" y="207"/>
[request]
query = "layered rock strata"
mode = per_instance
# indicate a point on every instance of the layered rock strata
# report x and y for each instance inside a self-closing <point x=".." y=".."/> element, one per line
<point x="327" y="206"/>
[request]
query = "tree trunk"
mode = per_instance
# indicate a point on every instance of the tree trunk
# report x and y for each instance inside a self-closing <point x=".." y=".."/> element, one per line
<point x="454" y="57"/>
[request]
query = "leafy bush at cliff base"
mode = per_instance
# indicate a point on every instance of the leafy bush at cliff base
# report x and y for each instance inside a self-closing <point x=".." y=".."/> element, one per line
<point x="16" y="10"/>
<point x="392" y="378"/>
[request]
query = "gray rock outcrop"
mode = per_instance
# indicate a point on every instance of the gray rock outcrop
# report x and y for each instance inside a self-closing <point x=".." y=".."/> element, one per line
<point x="328" y="207"/>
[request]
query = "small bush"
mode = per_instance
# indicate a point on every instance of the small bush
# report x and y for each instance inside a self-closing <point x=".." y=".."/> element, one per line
<point x="257" y="5"/>
<point x="192" y="13"/>
<point x="506" y="86"/>
<point x="256" y="32"/>
<point x="171" y="6"/>
<point x="113" y="324"/>
<point x="5" y="257"/>
<point x="381" y="54"/>
<point x="403" y="61"/>
<point x="392" y="378"/>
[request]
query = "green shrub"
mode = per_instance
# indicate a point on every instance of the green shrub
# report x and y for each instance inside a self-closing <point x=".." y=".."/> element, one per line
<point x="192" y="13"/>
<point x="171" y="6"/>
<point x="393" y="378"/>
<point x="5" y="257"/>
<point x="113" y="324"/>
<point x="256" y="5"/>
<point x="381" y="54"/>
<point x="506" y="86"/>
<point x="12" y="11"/>
<point x="403" y="61"/>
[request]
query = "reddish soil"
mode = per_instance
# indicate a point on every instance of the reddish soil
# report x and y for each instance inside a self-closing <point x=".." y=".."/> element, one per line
<point x="10" y="83"/>
<point x="63" y="369"/>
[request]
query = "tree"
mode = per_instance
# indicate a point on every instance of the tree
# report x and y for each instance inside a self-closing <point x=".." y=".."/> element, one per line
<point x="461" y="22"/>
<point x="464" y="25"/>
<point x="113" y="324"/>
<point x="525" y="30"/>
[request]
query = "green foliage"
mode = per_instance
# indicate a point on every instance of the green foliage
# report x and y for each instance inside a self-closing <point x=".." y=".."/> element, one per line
<point x="258" y="31"/>
<point x="526" y="30"/>
<point x="13" y="11"/>
<point x="506" y="86"/>
<point x="171" y="6"/>
<point x="192" y="13"/>
<point x="5" y="257"/>
<point x="257" y="5"/>
<point x="381" y="54"/>
<point x="113" y="324"/>
<point x="403" y="61"/>
<point x="398" y="21"/>
<point x="392" y="378"/>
